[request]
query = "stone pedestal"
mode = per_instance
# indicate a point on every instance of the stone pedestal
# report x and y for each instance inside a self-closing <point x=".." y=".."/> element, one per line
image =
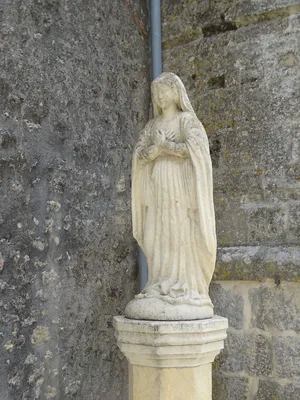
<point x="170" y="360"/>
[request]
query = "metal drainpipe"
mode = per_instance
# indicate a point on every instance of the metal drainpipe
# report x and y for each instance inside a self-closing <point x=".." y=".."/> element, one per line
<point x="156" y="61"/>
<point x="155" y="9"/>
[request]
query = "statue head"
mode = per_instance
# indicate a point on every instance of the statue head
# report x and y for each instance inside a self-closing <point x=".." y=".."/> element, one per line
<point x="167" y="88"/>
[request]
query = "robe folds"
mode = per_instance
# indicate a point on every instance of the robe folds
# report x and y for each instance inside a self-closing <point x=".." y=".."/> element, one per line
<point x="173" y="212"/>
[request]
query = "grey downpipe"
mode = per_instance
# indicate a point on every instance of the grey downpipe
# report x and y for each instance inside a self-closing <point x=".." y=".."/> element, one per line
<point x="156" y="62"/>
<point x="156" y="53"/>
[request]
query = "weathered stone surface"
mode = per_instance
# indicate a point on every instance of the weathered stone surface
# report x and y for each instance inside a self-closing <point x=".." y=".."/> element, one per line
<point x="287" y="354"/>
<point x="294" y="216"/>
<point x="230" y="304"/>
<point x="276" y="307"/>
<point x="187" y="20"/>
<point x="245" y="88"/>
<point x="251" y="353"/>
<point x="181" y="21"/>
<point x="251" y="263"/>
<point x="229" y="387"/>
<point x="240" y="61"/>
<point x="74" y="87"/>
<point x="269" y="389"/>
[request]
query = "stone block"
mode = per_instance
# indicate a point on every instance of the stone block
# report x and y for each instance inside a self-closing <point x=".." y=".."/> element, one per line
<point x="251" y="223"/>
<point x="258" y="355"/>
<point x="180" y="22"/>
<point x="250" y="353"/>
<point x="257" y="263"/>
<point x="229" y="387"/>
<point x="270" y="389"/>
<point x="232" y="357"/>
<point x="188" y="20"/>
<point x="276" y="307"/>
<point x="287" y="355"/>
<point x="230" y="225"/>
<point x="264" y="8"/>
<point x="228" y="304"/>
<point x="294" y="222"/>
<point x="265" y="224"/>
<point x="237" y="186"/>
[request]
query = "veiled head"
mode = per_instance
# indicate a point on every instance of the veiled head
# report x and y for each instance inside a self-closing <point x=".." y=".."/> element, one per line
<point x="169" y="87"/>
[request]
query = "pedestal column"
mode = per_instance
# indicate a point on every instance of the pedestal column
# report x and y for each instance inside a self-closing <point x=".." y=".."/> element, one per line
<point x="170" y="360"/>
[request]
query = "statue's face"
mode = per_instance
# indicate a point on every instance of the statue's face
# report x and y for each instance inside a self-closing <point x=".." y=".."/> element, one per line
<point x="164" y="96"/>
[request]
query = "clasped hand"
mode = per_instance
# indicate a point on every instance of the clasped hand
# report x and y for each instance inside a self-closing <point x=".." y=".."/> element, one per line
<point x="160" y="137"/>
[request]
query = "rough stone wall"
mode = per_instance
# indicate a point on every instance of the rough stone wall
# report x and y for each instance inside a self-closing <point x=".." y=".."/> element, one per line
<point x="240" y="61"/>
<point x="261" y="359"/>
<point x="73" y="95"/>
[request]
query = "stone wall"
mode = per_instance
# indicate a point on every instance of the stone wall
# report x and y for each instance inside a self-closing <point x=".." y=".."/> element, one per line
<point x="74" y="91"/>
<point x="240" y="61"/>
<point x="261" y="359"/>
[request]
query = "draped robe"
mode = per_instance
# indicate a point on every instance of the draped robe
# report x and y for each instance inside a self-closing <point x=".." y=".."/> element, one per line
<point x="173" y="212"/>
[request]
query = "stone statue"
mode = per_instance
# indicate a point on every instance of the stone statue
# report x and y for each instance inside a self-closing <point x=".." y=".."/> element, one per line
<point x="172" y="208"/>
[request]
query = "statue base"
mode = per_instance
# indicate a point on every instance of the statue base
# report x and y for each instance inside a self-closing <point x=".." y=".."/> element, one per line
<point x="171" y="359"/>
<point x="151" y="308"/>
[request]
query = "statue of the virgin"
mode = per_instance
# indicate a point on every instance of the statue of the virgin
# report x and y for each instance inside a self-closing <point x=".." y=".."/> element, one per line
<point x="172" y="208"/>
